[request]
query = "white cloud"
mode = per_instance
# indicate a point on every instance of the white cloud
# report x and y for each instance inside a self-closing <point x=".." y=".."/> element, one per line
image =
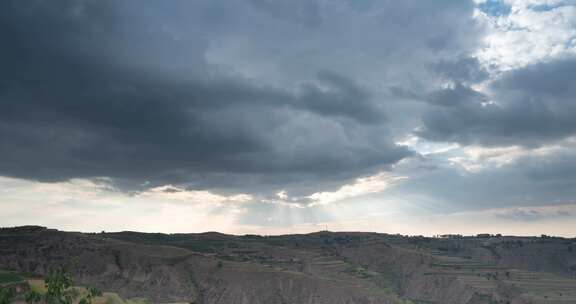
<point x="477" y="158"/>
<point x="362" y="186"/>
<point x="88" y="205"/>
<point x="170" y="192"/>
<point x="527" y="35"/>
<point x="282" y="195"/>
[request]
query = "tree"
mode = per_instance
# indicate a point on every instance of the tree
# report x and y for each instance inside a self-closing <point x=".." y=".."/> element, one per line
<point x="33" y="297"/>
<point x="5" y="295"/>
<point x="58" y="283"/>
<point x="59" y="289"/>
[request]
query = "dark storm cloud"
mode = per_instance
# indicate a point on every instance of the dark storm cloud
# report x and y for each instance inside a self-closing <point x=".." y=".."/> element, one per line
<point x="302" y="11"/>
<point x="536" y="214"/>
<point x="455" y="74"/>
<point x="107" y="89"/>
<point x="533" y="180"/>
<point x="530" y="106"/>
<point x="457" y="95"/>
<point x="466" y="69"/>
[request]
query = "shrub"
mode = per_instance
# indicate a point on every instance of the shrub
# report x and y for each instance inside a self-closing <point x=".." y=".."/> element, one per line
<point x="59" y="289"/>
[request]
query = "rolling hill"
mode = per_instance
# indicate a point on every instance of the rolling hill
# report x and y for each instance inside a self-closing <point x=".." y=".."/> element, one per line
<point x="317" y="268"/>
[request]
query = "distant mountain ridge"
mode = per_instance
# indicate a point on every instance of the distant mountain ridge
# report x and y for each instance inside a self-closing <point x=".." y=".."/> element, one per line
<point x="316" y="268"/>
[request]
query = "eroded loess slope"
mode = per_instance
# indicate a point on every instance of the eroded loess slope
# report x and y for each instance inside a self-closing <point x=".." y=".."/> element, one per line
<point x="317" y="268"/>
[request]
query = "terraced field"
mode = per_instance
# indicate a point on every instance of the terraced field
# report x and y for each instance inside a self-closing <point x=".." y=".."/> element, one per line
<point x="476" y="274"/>
<point x="487" y="278"/>
<point x="544" y="287"/>
<point x="373" y="282"/>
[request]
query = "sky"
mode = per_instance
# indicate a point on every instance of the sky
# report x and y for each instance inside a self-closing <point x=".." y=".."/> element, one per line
<point x="273" y="117"/>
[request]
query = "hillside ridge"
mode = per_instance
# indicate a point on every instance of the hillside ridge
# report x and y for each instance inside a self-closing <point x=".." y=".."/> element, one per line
<point x="315" y="268"/>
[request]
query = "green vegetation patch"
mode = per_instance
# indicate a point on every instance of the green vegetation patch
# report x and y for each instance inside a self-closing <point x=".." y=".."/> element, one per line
<point x="37" y="285"/>
<point x="10" y="277"/>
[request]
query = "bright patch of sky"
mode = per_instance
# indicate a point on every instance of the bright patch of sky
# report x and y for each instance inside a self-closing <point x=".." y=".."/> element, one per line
<point x="494" y="8"/>
<point x="526" y="31"/>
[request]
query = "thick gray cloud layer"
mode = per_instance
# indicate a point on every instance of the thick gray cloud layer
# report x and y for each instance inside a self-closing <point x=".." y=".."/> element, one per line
<point x="299" y="96"/>
<point x="438" y="186"/>
<point x="242" y="95"/>
<point x="530" y="106"/>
